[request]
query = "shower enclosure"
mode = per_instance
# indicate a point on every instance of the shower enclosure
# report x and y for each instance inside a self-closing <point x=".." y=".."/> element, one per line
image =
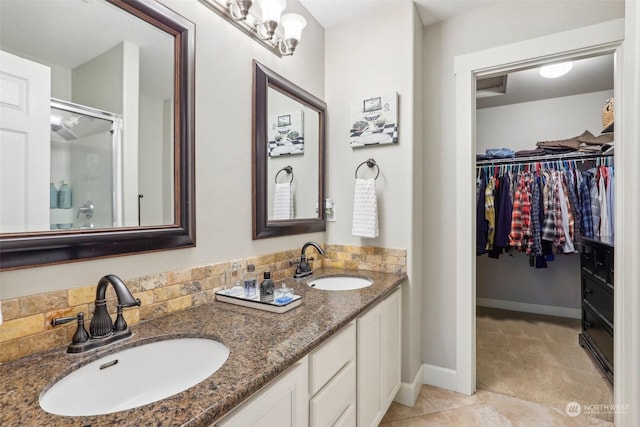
<point x="86" y="153"/>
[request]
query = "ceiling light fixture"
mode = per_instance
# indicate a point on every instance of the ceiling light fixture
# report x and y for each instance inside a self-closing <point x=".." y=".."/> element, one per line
<point x="264" y="22"/>
<point x="555" y="70"/>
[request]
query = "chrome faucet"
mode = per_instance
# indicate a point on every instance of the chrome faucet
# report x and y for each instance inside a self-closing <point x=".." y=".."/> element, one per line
<point x="303" y="268"/>
<point x="102" y="330"/>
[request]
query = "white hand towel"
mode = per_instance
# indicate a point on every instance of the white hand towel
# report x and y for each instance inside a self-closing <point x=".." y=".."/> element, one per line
<point x="365" y="209"/>
<point x="283" y="201"/>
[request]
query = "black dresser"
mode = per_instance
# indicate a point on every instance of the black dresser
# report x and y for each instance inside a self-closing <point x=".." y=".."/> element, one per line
<point x="596" y="275"/>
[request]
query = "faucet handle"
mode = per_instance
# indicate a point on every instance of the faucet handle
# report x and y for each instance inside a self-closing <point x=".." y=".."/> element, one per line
<point x="81" y="334"/>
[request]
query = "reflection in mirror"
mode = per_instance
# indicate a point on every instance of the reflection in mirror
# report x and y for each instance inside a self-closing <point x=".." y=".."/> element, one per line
<point x="102" y="61"/>
<point x="96" y="108"/>
<point x="288" y="157"/>
<point x="293" y="133"/>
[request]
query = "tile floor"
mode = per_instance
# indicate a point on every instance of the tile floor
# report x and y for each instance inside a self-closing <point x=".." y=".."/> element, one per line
<point x="438" y="407"/>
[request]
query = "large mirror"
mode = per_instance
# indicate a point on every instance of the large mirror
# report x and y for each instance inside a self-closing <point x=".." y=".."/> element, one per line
<point x="288" y="157"/>
<point x="96" y="105"/>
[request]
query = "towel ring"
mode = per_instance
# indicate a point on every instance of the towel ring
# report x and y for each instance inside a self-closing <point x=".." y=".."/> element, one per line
<point x="288" y="170"/>
<point x="370" y="163"/>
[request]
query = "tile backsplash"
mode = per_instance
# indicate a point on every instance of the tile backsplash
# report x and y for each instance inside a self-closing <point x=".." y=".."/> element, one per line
<point x="27" y="320"/>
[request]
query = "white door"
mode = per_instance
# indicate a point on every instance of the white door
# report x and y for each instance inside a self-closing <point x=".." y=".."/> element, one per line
<point x="25" y="91"/>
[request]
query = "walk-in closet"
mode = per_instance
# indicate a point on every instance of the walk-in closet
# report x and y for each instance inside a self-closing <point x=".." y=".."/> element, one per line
<point x="544" y="240"/>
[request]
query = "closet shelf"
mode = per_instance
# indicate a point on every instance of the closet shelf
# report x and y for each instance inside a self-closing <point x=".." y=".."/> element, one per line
<point x="545" y="158"/>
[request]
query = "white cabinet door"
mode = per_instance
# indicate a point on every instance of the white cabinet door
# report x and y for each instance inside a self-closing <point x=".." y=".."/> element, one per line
<point x="390" y="351"/>
<point x="378" y="361"/>
<point x="282" y="403"/>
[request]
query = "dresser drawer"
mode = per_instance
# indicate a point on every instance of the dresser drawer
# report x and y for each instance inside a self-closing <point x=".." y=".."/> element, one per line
<point x="600" y="335"/>
<point x="599" y="295"/>
<point x="603" y="258"/>
<point x="587" y="259"/>
<point x="597" y="259"/>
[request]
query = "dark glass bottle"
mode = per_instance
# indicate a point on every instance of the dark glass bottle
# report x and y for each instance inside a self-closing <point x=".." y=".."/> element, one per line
<point x="266" y="288"/>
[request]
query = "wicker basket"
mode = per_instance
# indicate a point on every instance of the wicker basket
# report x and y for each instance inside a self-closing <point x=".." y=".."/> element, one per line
<point x="607" y="113"/>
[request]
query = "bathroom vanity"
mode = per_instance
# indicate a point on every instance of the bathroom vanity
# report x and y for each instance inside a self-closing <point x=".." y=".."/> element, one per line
<point x="301" y="367"/>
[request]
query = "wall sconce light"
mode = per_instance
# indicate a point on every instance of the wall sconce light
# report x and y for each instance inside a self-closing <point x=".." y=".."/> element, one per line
<point x="263" y="22"/>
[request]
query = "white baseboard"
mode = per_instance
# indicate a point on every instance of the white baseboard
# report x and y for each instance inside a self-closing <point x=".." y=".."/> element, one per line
<point x="408" y="392"/>
<point x="549" y="310"/>
<point x="439" y="377"/>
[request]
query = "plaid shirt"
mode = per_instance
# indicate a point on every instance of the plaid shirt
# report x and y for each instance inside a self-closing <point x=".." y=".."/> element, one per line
<point x="586" y="228"/>
<point x="552" y="229"/>
<point x="521" y="215"/>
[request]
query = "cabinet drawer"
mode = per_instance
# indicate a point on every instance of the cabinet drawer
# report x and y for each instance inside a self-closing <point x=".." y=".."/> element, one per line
<point x="599" y="334"/>
<point x="587" y="259"/>
<point x="602" y="259"/>
<point x="599" y="295"/>
<point x="335" y="403"/>
<point x="331" y="356"/>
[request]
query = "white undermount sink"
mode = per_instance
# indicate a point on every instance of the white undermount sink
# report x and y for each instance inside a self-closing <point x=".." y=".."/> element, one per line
<point x="135" y="377"/>
<point x="339" y="283"/>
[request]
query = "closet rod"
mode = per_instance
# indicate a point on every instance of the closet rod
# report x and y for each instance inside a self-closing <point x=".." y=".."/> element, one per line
<point x="541" y="159"/>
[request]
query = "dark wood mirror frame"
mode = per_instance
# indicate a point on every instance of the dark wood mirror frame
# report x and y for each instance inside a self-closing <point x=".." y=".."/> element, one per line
<point x="263" y="79"/>
<point x="34" y="249"/>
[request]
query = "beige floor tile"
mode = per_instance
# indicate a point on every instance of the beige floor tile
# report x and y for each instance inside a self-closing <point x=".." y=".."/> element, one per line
<point x="398" y="412"/>
<point x="443" y="399"/>
<point x="478" y="415"/>
<point x="523" y="413"/>
<point x="437" y="419"/>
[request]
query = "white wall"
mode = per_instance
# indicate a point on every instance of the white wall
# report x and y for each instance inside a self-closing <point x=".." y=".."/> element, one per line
<point x="223" y="157"/>
<point x="520" y="126"/>
<point x="371" y="56"/>
<point x="495" y="25"/>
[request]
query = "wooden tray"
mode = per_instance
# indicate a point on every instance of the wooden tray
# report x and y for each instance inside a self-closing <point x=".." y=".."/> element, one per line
<point x="239" y="299"/>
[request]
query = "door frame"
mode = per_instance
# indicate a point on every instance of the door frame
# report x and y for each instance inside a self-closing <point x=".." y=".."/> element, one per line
<point x="587" y="41"/>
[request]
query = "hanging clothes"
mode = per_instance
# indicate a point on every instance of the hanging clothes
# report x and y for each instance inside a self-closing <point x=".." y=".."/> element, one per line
<point x="542" y="210"/>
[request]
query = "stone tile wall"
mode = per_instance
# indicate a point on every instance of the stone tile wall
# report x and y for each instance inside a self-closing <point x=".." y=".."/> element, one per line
<point x="27" y="320"/>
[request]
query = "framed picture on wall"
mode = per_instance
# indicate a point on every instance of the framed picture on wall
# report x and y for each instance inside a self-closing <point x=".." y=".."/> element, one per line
<point x="286" y="134"/>
<point x="374" y="120"/>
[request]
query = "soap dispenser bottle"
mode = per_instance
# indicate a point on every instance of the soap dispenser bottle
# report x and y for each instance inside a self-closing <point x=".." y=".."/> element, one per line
<point x="64" y="196"/>
<point x="53" y="195"/>
<point x="266" y="288"/>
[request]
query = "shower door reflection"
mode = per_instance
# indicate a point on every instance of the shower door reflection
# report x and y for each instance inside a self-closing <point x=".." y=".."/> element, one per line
<point x="86" y="147"/>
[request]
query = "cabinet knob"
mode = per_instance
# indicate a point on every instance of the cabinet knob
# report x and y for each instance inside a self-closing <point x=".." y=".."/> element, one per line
<point x="588" y="291"/>
<point x="599" y="263"/>
<point x="587" y="325"/>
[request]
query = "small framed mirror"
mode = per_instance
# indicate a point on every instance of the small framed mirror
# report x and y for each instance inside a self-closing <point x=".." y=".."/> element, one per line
<point x="287" y="157"/>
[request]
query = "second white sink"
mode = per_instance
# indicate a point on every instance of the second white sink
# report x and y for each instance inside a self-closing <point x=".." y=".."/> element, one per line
<point x="134" y="377"/>
<point x="339" y="283"/>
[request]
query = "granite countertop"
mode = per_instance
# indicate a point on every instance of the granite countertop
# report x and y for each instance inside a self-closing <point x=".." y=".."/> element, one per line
<point x="262" y="345"/>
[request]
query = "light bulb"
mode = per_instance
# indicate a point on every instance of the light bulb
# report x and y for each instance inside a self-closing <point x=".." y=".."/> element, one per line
<point x="556" y="70"/>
